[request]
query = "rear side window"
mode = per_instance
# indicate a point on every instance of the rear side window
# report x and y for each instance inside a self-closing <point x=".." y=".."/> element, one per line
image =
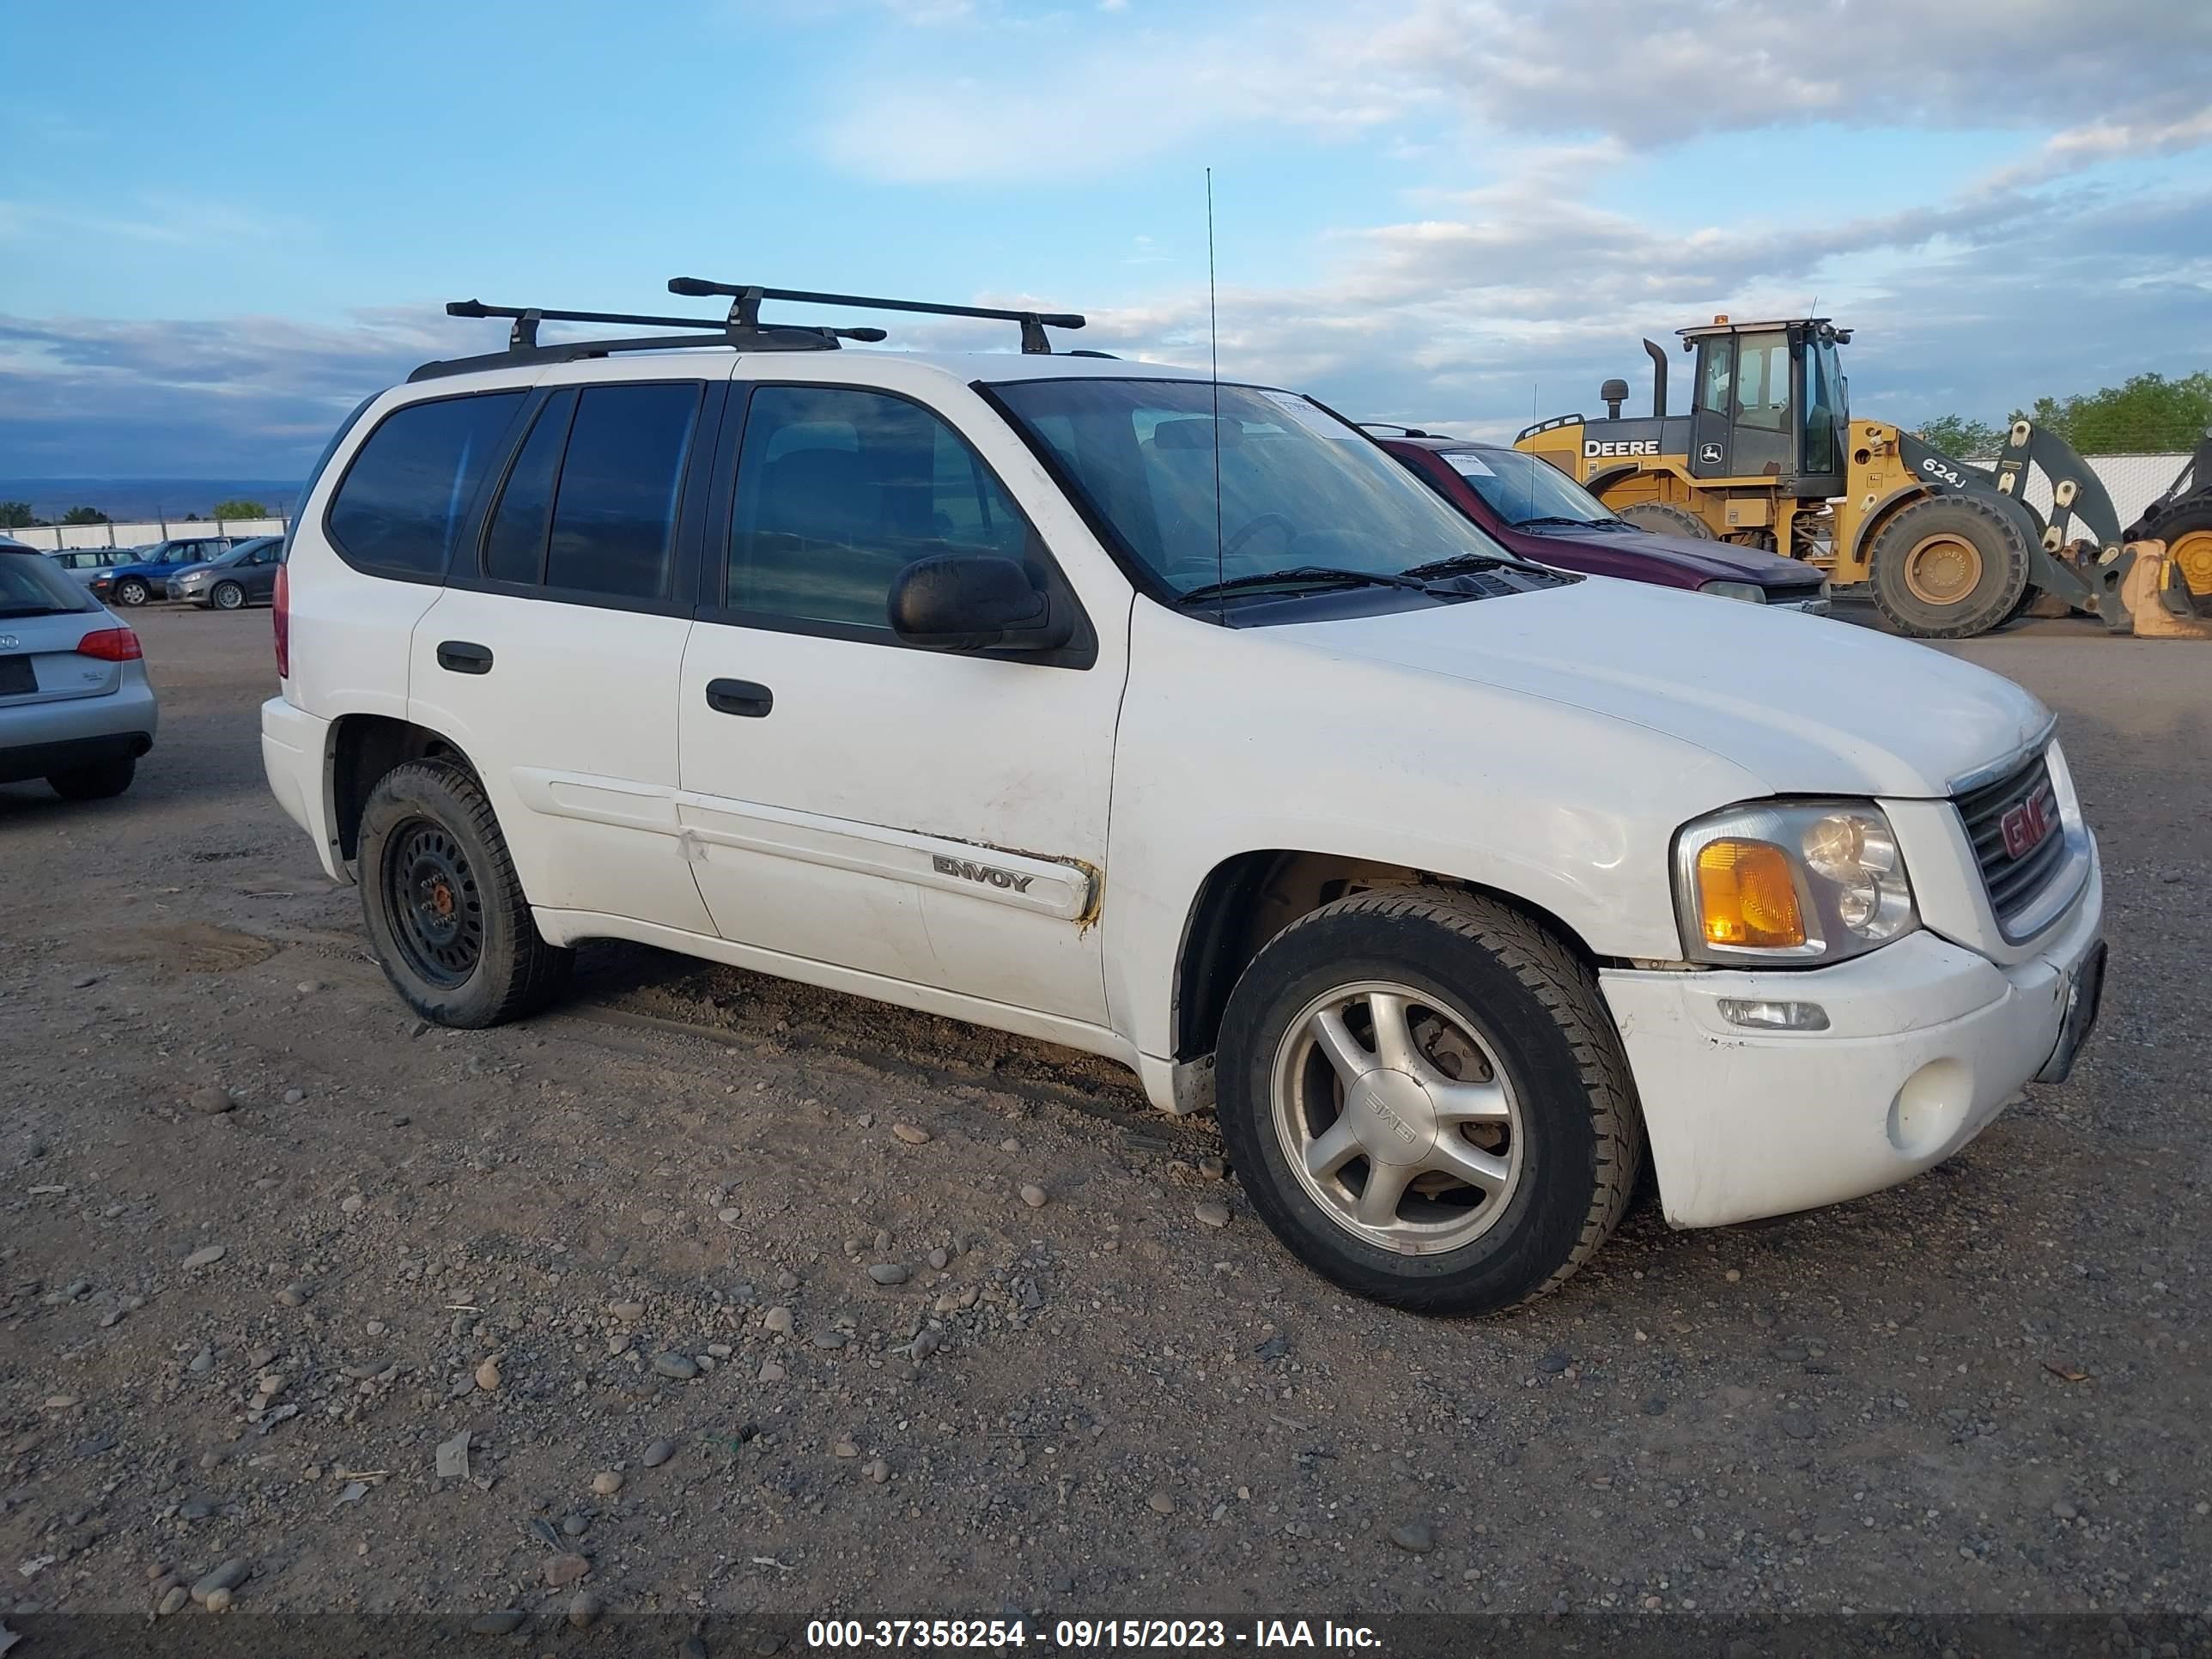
<point x="514" y="542"/>
<point x="590" y="505"/>
<point x="405" y="499"/>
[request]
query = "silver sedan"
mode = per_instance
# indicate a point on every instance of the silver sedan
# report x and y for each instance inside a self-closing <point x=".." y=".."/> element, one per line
<point x="76" y="707"/>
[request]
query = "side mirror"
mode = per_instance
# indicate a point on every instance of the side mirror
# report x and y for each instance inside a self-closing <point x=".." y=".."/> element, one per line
<point x="973" y="602"/>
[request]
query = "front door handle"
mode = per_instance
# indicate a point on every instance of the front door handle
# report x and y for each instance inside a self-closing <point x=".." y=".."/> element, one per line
<point x="462" y="658"/>
<point x="745" y="697"/>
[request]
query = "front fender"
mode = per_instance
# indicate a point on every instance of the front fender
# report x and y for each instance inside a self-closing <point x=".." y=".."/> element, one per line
<point x="1236" y="741"/>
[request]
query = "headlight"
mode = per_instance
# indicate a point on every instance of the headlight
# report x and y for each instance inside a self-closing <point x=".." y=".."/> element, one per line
<point x="1795" y="882"/>
<point x="1748" y="591"/>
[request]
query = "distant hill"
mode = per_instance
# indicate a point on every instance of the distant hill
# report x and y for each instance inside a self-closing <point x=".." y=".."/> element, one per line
<point x="124" y="499"/>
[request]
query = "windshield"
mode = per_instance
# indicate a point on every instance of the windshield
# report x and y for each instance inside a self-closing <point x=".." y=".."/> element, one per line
<point x="1521" y="488"/>
<point x="32" y="586"/>
<point x="1299" y="488"/>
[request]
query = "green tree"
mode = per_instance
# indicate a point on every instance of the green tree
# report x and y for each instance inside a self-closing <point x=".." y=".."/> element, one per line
<point x="85" y="515"/>
<point x="239" y="509"/>
<point x="1961" y="437"/>
<point x="17" y="515"/>
<point x="2150" y="413"/>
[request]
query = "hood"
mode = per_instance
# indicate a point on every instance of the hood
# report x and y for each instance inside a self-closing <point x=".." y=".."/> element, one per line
<point x="1808" y="705"/>
<point x="1708" y="561"/>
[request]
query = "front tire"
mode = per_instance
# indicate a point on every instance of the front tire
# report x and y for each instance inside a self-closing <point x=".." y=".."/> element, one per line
<point x="131" y="591"/>
<point x="100" y="782"/>
<point x="227" y="596"/>
<point x="1426" y="1102"/>
<point x="444" y="908"/>
<point x="1948" y="567"/>
<point x="1665" y="519"/>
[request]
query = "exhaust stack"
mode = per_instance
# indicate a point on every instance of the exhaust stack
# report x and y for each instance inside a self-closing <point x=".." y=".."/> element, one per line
<point x="1658" y="380"/>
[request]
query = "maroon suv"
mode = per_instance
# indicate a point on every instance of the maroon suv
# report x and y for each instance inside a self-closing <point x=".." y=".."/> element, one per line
<point x="1540" y="513"/>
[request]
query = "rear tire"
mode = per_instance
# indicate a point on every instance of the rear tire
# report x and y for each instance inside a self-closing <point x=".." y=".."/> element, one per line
<point x="1948" y="567"/>
<point x="131" y="591"/>
<point x="227" y="596"/>
<point x="1665" y="519"/>
<point x="443" y="906"/>
<point x="100" y="782"/>
<point x="1502" y="1105"/>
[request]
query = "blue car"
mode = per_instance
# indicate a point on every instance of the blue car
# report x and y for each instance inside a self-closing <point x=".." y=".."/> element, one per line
<point x="148" y="574"/>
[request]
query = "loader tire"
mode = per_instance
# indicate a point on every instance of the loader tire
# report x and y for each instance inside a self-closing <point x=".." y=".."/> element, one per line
<point x="2186" y="529"/>
<point x="1948" y="567"/>
<point x="1665" y="519"/>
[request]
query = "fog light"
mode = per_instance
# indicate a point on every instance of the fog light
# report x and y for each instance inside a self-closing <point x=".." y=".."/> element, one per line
<point x="1774" y="1016"/>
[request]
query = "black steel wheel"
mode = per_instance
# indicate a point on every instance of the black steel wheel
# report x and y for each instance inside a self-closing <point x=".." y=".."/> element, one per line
<point x="444" y="907"/>
<point x="432" y="895"/>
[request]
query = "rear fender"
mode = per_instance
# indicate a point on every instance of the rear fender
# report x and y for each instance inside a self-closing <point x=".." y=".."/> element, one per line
<point x="1606" y="476"/>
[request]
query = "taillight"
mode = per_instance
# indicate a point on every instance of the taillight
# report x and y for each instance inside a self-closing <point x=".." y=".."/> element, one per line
<point x="110" y="645"/>
<point x="281" y="622"/>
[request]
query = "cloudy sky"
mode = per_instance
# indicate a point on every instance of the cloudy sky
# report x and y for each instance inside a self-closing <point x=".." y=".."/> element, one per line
<point x="221" y="224"/>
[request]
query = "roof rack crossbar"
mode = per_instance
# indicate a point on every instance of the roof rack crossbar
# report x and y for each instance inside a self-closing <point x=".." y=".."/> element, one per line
<point x="746" y="311"/>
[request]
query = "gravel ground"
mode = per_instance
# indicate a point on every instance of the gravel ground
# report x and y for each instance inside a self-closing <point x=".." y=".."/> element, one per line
<point x="707" y="1293"/>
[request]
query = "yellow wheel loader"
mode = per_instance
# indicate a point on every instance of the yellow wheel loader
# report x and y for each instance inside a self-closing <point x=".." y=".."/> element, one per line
<point x="1769" y="454"/>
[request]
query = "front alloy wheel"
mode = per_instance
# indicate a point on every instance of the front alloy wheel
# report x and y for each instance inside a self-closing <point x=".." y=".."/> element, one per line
<point x="1396" y="1118"/>
<point x="131" y="591"/>
<point x="228" y="596"/>
<point x="1425" y="1100"/>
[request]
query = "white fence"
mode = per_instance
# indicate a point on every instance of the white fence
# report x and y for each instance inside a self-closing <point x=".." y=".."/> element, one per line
<point x="53" y="536"/>
<point x="2133" y="482"/>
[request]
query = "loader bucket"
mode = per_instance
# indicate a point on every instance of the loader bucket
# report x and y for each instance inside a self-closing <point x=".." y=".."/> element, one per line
<point x="2155" y="594"/>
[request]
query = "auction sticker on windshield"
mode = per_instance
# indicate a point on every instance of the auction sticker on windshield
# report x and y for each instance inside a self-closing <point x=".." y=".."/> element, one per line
<point x="1308" y="417"/>
<point x="1468" y="466"/>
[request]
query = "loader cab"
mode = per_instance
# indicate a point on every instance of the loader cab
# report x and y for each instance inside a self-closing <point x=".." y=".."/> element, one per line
<point x="1770" y="400"/>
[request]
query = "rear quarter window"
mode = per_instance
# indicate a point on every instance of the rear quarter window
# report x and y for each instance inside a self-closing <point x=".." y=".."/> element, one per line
<point x="407" y="497"/>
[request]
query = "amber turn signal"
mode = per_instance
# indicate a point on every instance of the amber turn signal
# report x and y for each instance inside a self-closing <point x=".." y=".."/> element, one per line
<point x="1746" y="896"/>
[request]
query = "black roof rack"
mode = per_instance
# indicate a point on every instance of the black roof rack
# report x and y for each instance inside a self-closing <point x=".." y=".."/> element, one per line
<point x="744" y="311"/>
<point x="741" y="330"/>
<point x="1402" y="431"/>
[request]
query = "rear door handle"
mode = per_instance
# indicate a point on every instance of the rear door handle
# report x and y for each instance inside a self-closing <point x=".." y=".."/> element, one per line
<point x="462" y="658"/>
<point x="745" y="697"/>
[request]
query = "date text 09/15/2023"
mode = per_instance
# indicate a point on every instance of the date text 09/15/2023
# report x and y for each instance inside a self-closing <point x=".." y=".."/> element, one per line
<point x="988" y="1635"/>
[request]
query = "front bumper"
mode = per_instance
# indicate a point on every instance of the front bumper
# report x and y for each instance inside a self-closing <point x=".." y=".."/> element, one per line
<point x="294" y="743"/>
<point x="1928" y="1042"/>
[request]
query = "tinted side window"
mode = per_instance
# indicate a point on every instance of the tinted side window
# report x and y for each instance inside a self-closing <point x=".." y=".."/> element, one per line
<point x="406" y="496"/>
<point x="839" y="490"/>
<point x="622" y="480"/>
<point x="514" y="542"/>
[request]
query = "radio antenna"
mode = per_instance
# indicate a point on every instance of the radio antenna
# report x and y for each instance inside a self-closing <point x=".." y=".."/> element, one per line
<point x="1213" y="344"/>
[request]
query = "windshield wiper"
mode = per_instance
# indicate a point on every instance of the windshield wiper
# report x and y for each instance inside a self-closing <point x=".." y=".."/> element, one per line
<point x="1310" y="575"/>
<point x="1460" y="561"/>
<point x="1574" y="524"/>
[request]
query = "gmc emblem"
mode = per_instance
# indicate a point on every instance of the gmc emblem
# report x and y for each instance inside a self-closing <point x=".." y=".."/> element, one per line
<point x="2025" y="826"/>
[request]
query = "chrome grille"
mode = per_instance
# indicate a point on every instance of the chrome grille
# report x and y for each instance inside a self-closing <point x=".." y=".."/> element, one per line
<point x="2014" y="884"/>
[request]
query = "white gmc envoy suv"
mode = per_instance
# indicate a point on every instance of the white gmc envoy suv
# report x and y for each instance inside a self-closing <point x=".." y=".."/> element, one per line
<point x="1173" y="721"/>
